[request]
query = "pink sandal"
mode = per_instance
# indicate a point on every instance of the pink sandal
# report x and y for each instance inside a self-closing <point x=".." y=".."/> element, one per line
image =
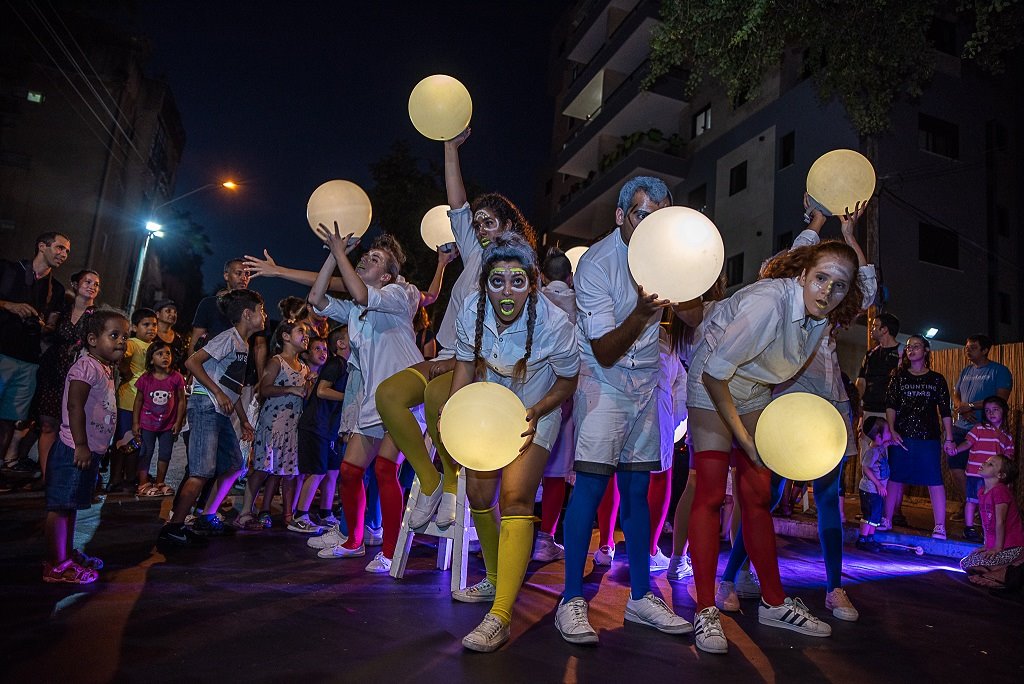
<point x="68" y="572"/>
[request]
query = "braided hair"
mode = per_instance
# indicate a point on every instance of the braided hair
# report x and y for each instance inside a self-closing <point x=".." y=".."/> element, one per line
<point x="509" y="246"/>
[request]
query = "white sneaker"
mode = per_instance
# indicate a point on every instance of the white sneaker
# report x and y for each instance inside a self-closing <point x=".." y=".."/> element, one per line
<point x="328" y="520"/>
<point x="939" y="532"/>
<point x="373" y="536"/>
<point x="340" y="551"/>
<point x="332" y="537"/>
<point x="445" y="511"/>
<point x="604" y="555"/>
<point x="747" y="585"/>
<point x="653" y="612"/>
<point x="379" y="564"/>
<point x="839" y="603"/>
<point x="426" y="506"/>
<point x="659" y="561"/>
<point x="884" y="525"/>
<point x="707" y="632"/>
<point x="304" y="525"/>
<point x="573" y="624"/>
<point x="488" y="636"/>
<point x="679" y="568"/>
<point x="481" y="592"/>
<point x="547" y="549"/>
<point x="726" y="597"/>
<point x="794" y="615"/>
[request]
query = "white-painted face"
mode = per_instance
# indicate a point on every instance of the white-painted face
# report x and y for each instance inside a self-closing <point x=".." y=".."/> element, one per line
<point x="508" y="288"/>
<point x="373" y="268"/>
<point x="486" y="225"/>
<point x="826" y="285"/>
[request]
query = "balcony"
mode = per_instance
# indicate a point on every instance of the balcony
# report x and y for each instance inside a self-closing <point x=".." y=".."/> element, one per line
<point x="596" y="23"/>
<point x="587" y="211"/>
<point x="625" y="110"/>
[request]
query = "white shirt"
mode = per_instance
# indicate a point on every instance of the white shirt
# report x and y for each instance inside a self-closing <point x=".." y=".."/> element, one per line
<point x="562" y="296"/>
<point x="554" y="353"/>
<point x="469" y="280"/>
<point x="382" y="340"/>
<point x="605" y="296"/>
<point x="762" y="333"/>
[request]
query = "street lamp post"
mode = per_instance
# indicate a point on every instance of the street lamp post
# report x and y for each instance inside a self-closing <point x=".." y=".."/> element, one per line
<point x="154" y="229"/>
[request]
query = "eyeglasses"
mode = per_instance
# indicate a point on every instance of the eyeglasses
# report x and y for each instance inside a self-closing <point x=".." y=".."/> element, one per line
<point x="916" y="346"/>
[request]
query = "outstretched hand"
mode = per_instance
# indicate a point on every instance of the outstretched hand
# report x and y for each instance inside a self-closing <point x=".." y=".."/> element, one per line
<point x="460" y="138"/>
<point x="265" y="267"/>
<point x="849" y="219"/>
<point x="335" y="240"/>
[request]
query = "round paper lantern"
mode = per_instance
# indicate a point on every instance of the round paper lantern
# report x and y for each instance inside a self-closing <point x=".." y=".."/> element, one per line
<point x="342" y="201"/>
<point x="573" y="254"/>
<point x="676" y="253"/>
<point x="482" y="426"/>
<point x="440" y="107"/>
<point x="800" y="436"/>
<point x="838" y="180"/>
<point x="436" y="227"/>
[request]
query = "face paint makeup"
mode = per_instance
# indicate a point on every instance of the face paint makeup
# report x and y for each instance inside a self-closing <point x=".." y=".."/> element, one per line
<point x="486" y="226"/>
<point x="507" y="306"/>
<point x="514" y="279"/>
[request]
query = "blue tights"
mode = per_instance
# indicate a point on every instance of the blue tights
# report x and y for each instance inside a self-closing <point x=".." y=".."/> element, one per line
<point x="830" y="528"/>
<point x="634" y="516"/>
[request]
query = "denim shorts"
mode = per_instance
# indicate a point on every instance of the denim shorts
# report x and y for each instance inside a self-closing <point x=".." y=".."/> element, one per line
<point x="69" y="488"/>
<point x="213" y="443"/>
<point x="973" y="486"/>
<point x="871" y="507"/>
<point x="17" y="387"/>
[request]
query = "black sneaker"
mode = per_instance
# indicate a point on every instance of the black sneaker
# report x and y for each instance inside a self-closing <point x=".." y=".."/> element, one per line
<point x="180" y="536"/>
<point x="211" y="526"/>
<point x="868" y="545"/>
<point x="23" y="469"/>
<point x="971" y="533"/>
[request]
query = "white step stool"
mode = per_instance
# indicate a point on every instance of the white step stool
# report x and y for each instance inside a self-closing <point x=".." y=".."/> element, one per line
<point x="461" y="532"/>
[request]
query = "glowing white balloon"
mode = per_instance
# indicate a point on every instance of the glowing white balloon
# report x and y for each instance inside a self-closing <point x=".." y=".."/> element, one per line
<point x="801" y="436"/>
<point x="676" y="253"/>
<point x="482" y="426"/>
<point x="573" y="254"/>
<point x="436" y="227"/>
<point x="342" y="201"/>
<point x="440" y="107"/>
<point x="838" y="180"/>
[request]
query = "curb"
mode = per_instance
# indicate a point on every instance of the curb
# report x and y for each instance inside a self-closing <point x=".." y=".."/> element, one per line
<point x="947" y="548"/>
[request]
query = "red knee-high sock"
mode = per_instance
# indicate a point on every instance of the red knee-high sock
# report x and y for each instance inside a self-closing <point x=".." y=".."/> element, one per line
<point x="353" y="502"/>
<point x="705" y="524"/>
<point x="551" y="504"/>
<point x="390" y="502"/>
<point x="606" y="513"/>
<point x="754" y="487"/>
<point x="657" y="500"/>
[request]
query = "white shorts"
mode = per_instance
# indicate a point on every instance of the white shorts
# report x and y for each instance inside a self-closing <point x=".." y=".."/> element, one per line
<point x="615" y="431"/>
<point x="564" y="448"/>
<point x="749" y="396"/>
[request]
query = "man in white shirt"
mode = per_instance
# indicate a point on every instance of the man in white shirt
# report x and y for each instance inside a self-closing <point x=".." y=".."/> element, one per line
<point x="616" y="414"/>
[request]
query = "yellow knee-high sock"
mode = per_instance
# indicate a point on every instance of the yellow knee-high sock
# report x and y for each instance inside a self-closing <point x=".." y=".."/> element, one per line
<point x="513" y="556"/>
<point x="395" y="396"/>
<point x="437" y="393"/>
<point x="486" y="523"/>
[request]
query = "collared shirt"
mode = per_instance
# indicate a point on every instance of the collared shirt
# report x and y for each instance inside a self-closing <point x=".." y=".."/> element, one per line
<point x="554" y="352"/>
<point x="381" y="338"/>
<point x="562" y="296"/>
<point x="762" y="333"/>
<point x="469" y="280"/>
<point x="20" y="338"/>
<point x="606" y="296"/>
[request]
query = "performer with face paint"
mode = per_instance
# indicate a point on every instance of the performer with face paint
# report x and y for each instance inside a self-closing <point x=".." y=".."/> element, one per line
<point x="429" y="382"/>
<point x="509" y="334"/>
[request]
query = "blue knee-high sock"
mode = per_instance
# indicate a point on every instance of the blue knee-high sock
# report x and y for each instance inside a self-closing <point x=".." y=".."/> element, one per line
<point x="635" y="518"/>
<point x="738" y="555"/>
<point x="373" y="516"/>
<point x="830" y="529"/>
<point x="578" y="527"/>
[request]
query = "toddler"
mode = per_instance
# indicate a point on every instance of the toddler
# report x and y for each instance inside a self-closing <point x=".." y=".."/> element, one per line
<point x="875" y="476"/>
<point x="1000" y="520"/>
<point x="987" y="438"/>
<point x="158" y="414"/>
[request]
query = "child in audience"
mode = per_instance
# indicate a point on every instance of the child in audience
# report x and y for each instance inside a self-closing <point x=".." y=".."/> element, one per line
<point x="123" y="462"/>
<point x="987" y="438"/>
<point x="1000" y="519"/>
<point x="87" y="423"/>
<point x="158" y="414"/>
<point x="875" y="475"/>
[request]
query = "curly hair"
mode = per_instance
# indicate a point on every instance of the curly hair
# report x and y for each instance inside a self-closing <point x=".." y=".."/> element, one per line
<point x="508" y="215"/>
<point x="905" y="360"/>
<point x="682" y="334"/>
<point x="795" y="262"/>
<point x="295" y="308"/>
<point x="285" y="327"/>
<point x="509" y="246"/>
<point x="97" y="321"/>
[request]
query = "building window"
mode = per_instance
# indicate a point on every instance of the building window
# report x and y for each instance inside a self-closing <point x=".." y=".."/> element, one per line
<point x="701" y="122"/>
<point x="938" y="136"/>
<point x="734" y="270"/>
<point x="942" y="36"/>
<point x="784" y="241"/>
<point x="1005" y="311"/>
<point x="787" y="150"/>
<point x="938" y="246"/>
<point x="737" y="178"/>
<point x="698" y="197"/>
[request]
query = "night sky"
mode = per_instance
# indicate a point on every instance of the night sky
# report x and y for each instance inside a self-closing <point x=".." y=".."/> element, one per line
<point x="284" y="100"/>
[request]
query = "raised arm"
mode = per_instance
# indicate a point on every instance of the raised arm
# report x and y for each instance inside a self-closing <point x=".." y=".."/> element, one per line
<point x="430" y="295"/>
<point x="338" y="244"/>
<point x="318" y="293"/>
<point x="453" y="171"/>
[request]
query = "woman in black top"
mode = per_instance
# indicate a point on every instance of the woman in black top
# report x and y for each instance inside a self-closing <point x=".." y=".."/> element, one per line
<point x="915" y="400"/>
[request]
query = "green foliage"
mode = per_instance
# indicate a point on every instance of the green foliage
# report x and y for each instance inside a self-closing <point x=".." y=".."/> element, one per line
<point x="867" y="53"/>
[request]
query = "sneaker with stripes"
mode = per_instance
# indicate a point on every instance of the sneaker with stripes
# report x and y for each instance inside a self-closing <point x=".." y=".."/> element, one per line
<point x="707" y="631"/>
<point x="794" y="615"/>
